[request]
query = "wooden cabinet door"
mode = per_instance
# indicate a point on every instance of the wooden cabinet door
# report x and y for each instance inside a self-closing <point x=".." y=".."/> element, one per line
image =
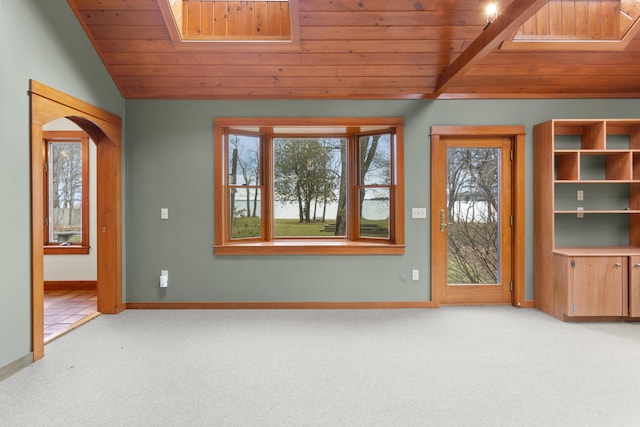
<point x="634" y="286"/>
<point x="596" y="286"/>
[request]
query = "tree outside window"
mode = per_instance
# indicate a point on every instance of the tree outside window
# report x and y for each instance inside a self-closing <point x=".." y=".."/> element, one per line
<point x="308" y="184"/>
<point x="66" y="186"/>
<point x="473" y="210"/>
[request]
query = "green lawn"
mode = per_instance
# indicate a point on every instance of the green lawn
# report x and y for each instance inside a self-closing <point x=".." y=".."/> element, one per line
<point x="293" y="227"/>
<point x="250" y="227"/>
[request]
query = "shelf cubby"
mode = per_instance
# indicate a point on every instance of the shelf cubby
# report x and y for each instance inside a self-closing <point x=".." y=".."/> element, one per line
<point x="593" y="166"/>
<point x="567" y="165"/>
<point x="600" y="197"/>
<point x="617" y="142"/>
<point x="593" y="136"/>
<point x="600" y="230"/>
<point x="636" y="165"/>
<point x="618" y="166"/>
<point x="634" y="195"/>
<point x="590" y="133"/>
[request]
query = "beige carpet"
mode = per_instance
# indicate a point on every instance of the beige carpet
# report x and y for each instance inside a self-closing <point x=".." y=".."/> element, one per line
<point x="454" y="366"/>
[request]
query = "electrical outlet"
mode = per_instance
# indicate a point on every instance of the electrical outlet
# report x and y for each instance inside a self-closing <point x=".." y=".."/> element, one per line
<point x="164" y="278"/>
<point x="580" y="213"/>
<point x="580" y="195"/>
<point x="415" y="274"/>
<point x="164" y="213"/>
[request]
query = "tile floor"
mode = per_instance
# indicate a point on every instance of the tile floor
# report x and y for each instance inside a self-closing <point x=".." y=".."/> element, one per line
<point x="66" y="310"/>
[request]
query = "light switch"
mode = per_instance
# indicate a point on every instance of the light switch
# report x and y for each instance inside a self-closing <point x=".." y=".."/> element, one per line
<point x="164" y="213"/>
<point x="418" y="212"/>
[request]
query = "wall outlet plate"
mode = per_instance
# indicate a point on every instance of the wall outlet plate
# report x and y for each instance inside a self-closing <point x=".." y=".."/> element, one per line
<point x="418" y="212"/>
<point x="164" y="278"/>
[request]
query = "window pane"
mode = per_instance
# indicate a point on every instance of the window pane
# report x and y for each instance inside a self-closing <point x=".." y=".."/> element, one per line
<point x="244" y="159"/>
<point x="374" y="212"/>
<point x="375" y="159"/>
<point x="309" y="187"/>
<point x="65" y="192"/>
<point x="245" y="218"/>
<point x="473" y="214"/>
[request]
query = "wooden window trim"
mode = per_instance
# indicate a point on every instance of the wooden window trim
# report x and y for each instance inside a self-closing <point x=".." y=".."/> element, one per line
<point x="351" y="244"/>
<point x="81" y="248"/>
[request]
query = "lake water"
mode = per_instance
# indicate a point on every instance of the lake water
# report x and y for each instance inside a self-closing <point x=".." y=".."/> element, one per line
<point x="371" y="209"/>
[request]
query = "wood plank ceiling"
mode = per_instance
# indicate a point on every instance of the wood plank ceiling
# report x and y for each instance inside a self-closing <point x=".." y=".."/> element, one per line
<point x="356" y="49"/>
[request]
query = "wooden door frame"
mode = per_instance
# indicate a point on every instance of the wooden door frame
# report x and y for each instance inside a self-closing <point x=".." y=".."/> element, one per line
<point x="517" y="135"/>
<point x="105" y="129"/>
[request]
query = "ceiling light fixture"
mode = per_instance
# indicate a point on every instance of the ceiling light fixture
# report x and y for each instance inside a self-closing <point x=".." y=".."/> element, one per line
<point x="492" y="13"/>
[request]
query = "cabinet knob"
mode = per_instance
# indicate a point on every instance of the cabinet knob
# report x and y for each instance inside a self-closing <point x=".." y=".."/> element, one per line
<point x="636" y="265"/>
<point x="618" y="265"/>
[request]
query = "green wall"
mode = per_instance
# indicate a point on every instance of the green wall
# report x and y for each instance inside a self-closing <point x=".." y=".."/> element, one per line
<point x="169" y="159"/>
<point x="41" y="40"/>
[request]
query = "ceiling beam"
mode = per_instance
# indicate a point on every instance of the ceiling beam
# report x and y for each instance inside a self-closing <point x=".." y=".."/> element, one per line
<point x="505" y="25"/>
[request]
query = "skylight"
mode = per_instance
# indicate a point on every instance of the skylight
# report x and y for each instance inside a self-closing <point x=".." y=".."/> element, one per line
<point x="565" y="25"/>
<point x="224" y="20"/>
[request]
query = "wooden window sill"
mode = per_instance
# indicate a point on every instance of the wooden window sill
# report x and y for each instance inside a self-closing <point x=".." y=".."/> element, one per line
<point x="66" y="250"/>
<point x="310" y="247"/>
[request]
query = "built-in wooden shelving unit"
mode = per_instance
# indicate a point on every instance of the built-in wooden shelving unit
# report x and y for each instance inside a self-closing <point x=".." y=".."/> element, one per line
<point x="587" y="218"/>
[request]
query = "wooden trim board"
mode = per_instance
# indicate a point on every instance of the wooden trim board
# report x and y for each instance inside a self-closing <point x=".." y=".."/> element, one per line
<point x="231" y="305"/>
<point x="16" y="365"/>
<point x="70" y="285"/>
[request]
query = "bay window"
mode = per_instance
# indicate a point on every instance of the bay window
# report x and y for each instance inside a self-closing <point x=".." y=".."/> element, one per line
<point x="309" y="186"/>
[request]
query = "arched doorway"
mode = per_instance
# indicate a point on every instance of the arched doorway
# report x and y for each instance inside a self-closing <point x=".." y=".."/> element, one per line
<point x="105" y="129"/>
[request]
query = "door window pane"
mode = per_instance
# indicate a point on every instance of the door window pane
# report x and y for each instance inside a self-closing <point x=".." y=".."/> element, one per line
<point x="473" y="175"/>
